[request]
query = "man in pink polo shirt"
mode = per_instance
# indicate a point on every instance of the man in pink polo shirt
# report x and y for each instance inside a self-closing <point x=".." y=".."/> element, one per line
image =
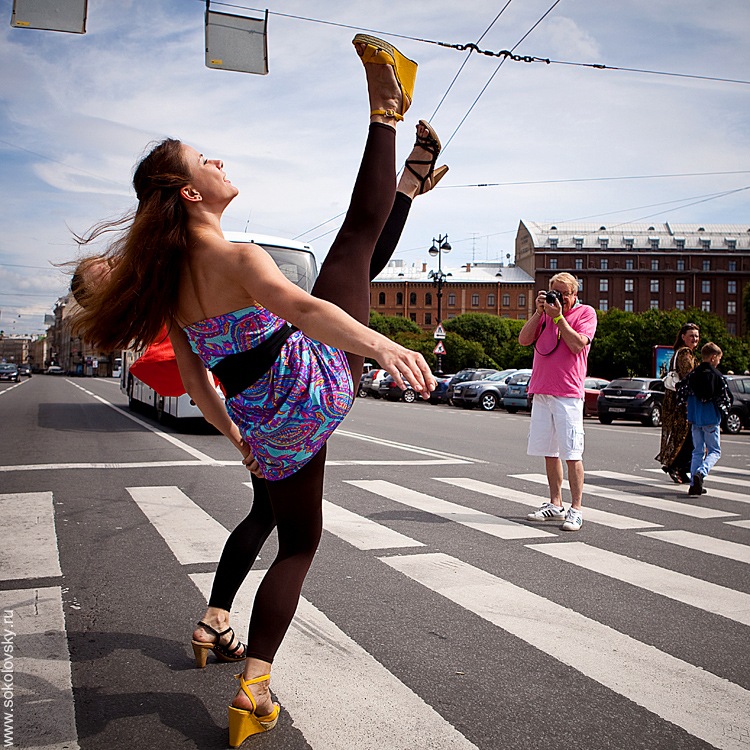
<point x="561" y="330"/>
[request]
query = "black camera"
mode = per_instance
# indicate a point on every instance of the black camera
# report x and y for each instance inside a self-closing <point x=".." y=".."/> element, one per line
<point x="553" y="295"/>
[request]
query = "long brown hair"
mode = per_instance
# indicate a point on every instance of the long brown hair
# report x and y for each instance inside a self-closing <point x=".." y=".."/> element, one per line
<point x="128" y="305"/>
<point x="679" y="343"/>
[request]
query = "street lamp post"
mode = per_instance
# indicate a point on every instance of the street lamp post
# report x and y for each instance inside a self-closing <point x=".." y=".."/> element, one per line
<point x="439" y="246"/>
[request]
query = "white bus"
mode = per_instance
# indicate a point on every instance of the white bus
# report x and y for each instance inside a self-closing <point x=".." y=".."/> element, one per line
<point x="297" y="262"/>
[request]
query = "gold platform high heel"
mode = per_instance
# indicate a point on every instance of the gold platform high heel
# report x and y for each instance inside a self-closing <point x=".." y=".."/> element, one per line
<point x="380" y="52"/>
<point x="244" y="723"/>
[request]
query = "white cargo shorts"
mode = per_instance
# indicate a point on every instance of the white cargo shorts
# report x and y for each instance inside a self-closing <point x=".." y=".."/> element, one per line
<point x="556" y="427"/>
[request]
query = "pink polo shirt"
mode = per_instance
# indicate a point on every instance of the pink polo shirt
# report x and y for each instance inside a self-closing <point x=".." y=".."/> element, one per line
<point x="561" y="373"/>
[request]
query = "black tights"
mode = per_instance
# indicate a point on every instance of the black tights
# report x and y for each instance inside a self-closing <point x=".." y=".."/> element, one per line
<point x="362" y="248"/>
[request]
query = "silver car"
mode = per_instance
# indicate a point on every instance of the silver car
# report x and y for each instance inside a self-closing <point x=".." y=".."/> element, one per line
<point x="486" y="393"/>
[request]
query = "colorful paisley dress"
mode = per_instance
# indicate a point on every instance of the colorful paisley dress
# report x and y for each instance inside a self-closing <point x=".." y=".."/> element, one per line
<point x="291" y="410"/>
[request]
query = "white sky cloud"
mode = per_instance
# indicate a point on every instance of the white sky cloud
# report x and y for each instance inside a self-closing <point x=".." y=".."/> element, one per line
<point x="76" y="112"/>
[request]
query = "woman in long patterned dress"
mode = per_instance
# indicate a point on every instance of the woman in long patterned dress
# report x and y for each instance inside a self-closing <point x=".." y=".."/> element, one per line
<point x="676" y="443"/>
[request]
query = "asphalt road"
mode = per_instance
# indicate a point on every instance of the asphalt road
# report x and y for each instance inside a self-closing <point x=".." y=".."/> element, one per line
<point x="435" y="616"/>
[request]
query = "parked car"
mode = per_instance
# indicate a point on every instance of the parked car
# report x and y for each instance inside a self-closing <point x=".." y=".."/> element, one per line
<point x="440" y="394"/>
<point x="637" y="399"/>
<point x="361" y="392"/>
<point x="390" y="390"/>
<point x="487" y="393"/>
<point x="591" y="387"/>
<point x="9" y="372"/>
<point x="24" y="370"/>
<point x="517" y="394"/>
<point x="469" y="373"/>
<point x="370" y="382"/>
<point x="54" y="370"/>
<point x="739" y="411"/>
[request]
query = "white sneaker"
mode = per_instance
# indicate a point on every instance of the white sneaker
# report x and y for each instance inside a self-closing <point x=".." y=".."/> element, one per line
<point x="548" y="512"/>
<point x="573" y="521"/>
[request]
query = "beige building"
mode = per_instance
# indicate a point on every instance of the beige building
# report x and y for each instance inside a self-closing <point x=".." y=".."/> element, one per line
<point x="637" y="267"/>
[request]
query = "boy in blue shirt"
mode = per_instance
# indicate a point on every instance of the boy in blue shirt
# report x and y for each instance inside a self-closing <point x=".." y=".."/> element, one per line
<point x="708" y="398"/>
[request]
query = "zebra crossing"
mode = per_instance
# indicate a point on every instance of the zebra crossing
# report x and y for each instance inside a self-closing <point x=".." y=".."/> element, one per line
<point x="384" y="712"/>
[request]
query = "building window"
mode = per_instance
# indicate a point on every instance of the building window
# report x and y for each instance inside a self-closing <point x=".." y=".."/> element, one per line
<point x="706" y="305"/>
<point x="603" y="285"/>
<point x="553" y="263"/>
<point x="578" y="243"/>
<point x="451" y="300"/>
<point x="399" y="298"/>
<point x="731" y="287"/>
<point x="475" y="300"/>
<point x="603" y="305"/>
<point x="654" y="304"/>
<point x="679" y="286"/>
<point x="628" y="264"/>
<point x="580" y="285"/>
<point x="628" y="243"/>
<point x="604" y="243"/>
<point x="732" y="265"/>
<point x="653" y="285"/>
<point x="428" y="319"/>
<point x="428" y="299"/>
<point x="579" y="264"/>
<point x="628" y="285"/>
<point x="731" y="243"/>
<point x="490" y="300"/>
<point x="706" y="286"/>
<point x="413" y="316"/>
<point x="381" y="298"/>
<point x="506" y="300"/>
<point x="679" y="304"/>
<point x="731" y="307"/>
<point x="680" y="265"/>
<point x="412" y="298"/>
<point x="706" y="265"/>
<point x="679" y="243"/>
<point x="628" y="305"/>
<point x="732" y="329"/>
<point x="553" y="243"/>
<point x="603" y="264"/>
<point x="654" y="264"/>
<point x="654" y="241"/>
<point x="522" y="300"/>
<point x="705" y="244"/>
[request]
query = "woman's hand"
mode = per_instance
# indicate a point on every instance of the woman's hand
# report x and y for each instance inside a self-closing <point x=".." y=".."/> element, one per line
<point x="405" y="364"/>
<point x="249" y="460"/>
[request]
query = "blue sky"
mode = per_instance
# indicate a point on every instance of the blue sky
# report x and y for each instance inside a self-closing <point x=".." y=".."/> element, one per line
<point x="76" y="112"/>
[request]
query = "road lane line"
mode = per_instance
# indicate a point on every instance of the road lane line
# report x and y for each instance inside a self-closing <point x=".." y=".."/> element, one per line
<point x="378" y="711"/>
<point x="708" y="544"/>
<point x="43" y="706"/>
<point x="601" y="517"/>
<point x="473" y="519"/>
<point x="15" y="385"/>
<point x="191" y="534"/>
<point x="713" y="492"/>
<point x="106" y="465"/>
<point x="29" y="548"/>
<point x="692" y="698"/>
<point x="407" y="447"/>
<point x="719" y="600"/>
<point x="361" y="532"/>
<point x="655" y="503"/>
<point x="169" y="438"/>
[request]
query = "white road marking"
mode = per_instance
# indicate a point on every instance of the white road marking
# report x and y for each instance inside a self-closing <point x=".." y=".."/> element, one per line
<point x="44" y="709"/>
<point x="192" y="534"/>
<point x="704" y="595"/>
<point x="15" y="385"/>
<point x="601" y="517"/>
<point x="655" y="503"/>
<point x="362" y="532"/>
<point x="742" y="524"/>
<point x="709" y="545"/>
<point x="29" y="548"/>
<point x="688" y="696"/>
<point x="473" y="519"/>
<point x="375" y="710"/>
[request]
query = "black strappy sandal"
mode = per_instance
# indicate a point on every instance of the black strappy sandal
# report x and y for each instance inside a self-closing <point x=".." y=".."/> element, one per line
<point x="223" y="653"/>
<point x="432" y="145"/>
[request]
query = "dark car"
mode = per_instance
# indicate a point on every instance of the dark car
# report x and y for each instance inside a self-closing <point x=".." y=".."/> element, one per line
<point x="9" y="372"/>
<point x="739" y="412"/>
<point x="440" y="394"/>
<point x="517" y="394"/>
<point x="24" y="370"/>
<point x="470" y="373"/>
<point x="591" y="387"/>
<point x="390" y="390"/>
<point x="486" y="393"/>
<point x="635" y="399"/>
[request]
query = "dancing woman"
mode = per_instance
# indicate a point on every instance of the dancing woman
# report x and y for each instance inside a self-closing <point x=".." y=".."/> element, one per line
<point x="228" y="308"/>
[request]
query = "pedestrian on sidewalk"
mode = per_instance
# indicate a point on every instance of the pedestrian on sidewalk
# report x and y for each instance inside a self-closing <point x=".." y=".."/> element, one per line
<point x="708" y="398"/>
<point x="561" y="330"/>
